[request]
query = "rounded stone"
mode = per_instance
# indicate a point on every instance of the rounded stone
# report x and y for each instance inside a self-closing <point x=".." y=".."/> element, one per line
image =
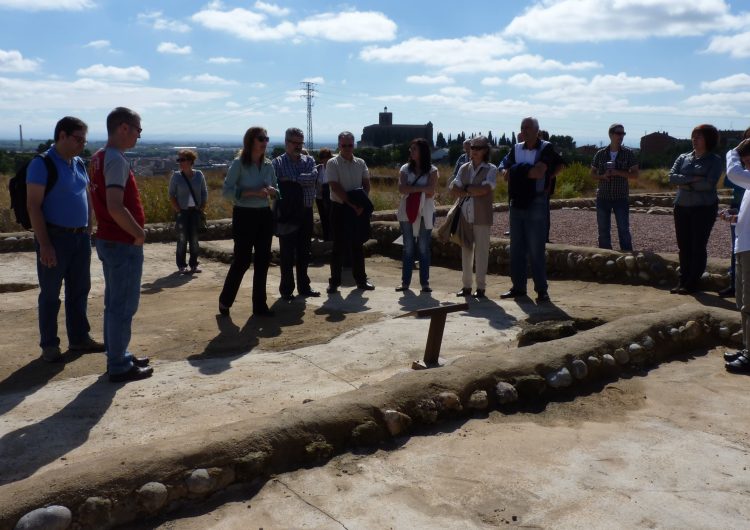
<point x="608" y="361"/>
<point x="152" y="496"/>
<point x="621" y="356"/>
<point x="506" y="393"/>
<point x="560" y="379"/>
<point x="579" y="369"/>
<point x="691" y="331"/>
<point x="95" y="512"/>
<point x="449" y="401"/>
<point x="648" y="342"/>
<point x="199" y="481"/>
<point x="396" y="422"/>
<point x="634" y="348"/>
<point x="478" y="400"/>
<point x="593" y="362"/>
<point x="630" y="262"/>
<point x="47" y="518"/>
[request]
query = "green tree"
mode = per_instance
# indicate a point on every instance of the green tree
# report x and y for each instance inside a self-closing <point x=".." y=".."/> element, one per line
<point x="440" y="142"/>
<point x="513" y="138"/>
<point x="564" y="143"/>
<point x="43" y="147"/>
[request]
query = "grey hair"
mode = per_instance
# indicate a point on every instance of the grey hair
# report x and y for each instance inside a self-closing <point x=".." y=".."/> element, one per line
<point x="292" y="132"/>
<point x="532" y="120"/>
<point x="345" y="134"/>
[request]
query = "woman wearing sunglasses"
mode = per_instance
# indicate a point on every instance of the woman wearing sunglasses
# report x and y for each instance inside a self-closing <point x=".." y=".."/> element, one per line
<point x="188" y="194"/>
<point x="250" y="183"/>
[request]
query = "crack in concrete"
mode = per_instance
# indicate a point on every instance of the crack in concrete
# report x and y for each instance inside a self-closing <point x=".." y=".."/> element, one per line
<point x="321" y="510"/>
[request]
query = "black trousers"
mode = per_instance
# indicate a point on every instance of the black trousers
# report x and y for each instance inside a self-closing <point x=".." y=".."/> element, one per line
<point x="295" y="255"/>
<point x="693" y="226"/>
<point x="252" y="230"/>
<point x="324" y="211"/>
<point x="343" y="243"/>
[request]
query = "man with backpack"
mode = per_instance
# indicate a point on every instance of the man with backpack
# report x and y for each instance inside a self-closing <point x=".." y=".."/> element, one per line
<point x="61" y="218"/>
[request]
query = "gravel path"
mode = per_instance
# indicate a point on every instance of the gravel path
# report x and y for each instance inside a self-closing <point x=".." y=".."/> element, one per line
<point x="650" y="232"/>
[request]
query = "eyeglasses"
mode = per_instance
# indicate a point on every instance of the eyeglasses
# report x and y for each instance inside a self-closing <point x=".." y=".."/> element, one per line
<point x="478" y="147"/>
<point x="80" y="139"/>
<point x="619" y="133"/>
<point x="346" y="146"/>
<point x="262" y="138"/>
<point x="182" y="160"/>
<point x="134" y="127"/>
<point x="295" y="143"/>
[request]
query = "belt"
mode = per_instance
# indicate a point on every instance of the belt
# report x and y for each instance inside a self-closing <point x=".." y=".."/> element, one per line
<point x="67" y="229"/>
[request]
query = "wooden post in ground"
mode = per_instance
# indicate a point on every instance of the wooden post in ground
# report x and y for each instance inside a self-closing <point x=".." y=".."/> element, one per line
<point x="437" y="316"/>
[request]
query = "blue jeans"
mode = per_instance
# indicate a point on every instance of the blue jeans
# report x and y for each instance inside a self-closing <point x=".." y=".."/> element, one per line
<point x="604" y="209"/>
<point x="528" y="235"/>
<point x="73" y="253"/>
<point x="186" y="225"/>
<point x="424" y="241"/>
<point x="123" y="266"/>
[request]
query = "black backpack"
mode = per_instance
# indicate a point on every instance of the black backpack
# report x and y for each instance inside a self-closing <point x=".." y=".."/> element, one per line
<point x="17" y="188"/>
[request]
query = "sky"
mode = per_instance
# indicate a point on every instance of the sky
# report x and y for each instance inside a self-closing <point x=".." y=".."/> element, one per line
<point x="208" y="70"/>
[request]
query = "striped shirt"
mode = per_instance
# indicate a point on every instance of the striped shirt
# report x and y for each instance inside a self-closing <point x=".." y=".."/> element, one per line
<point x="302" y="171"/>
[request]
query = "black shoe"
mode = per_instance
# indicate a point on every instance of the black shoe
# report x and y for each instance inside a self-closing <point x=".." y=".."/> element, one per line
<point x="88" y="345"/>
<point x="401" y="288"/>
<point x="730" y="356"/>
<point x="426" y="289"/>
<point x="741" y="365"/>
<point x="678" y="289"/>
<point x="263" y="312"/>
<point x="464" y="292"/>
<point x="223" y="310"/>
<point x="367" y="286"/>
<point x="542" y="297"/>
<point x="141" y="362"/>
<point x="287" y="297"/>
<point x="506" y="233"/>
<point x="727" y="293"/>
<point x="332" y="289"/>
<point x="479" y="293"/>
<point x="513" y="294"/>
<point x="310" y="292"/>
<point x="134" y="374"/>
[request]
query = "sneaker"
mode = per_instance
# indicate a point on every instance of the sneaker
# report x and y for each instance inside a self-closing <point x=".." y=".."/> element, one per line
<point x="741" y="365"/>
<point x="88" y="345"/>
<point x="730" y="356"/>
<point x="195" y="270"/>
<point x="52" y="354"/>
<point x="401" y="288"/>
<point x="479" y="294"/>
<point x="426" y="289"/>
<point x="182" y="270"/>
<point x="464" y="292"/>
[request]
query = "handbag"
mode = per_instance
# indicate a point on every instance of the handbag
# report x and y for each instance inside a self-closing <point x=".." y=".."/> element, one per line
<point x="412" y="203"/>
<point x="202" y="221"/>
<point x="455" y="228"/>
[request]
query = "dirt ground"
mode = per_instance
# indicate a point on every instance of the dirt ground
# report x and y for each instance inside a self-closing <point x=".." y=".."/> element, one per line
<point x="658" y="450"/>
<point x="211" y="371"/>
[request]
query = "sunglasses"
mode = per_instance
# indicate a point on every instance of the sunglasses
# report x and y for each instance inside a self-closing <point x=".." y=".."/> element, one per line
<point x="80" y="139"/>
<point x="182" y="159"/>
<point x="478" y="147"/>
<point x="295" y="143"/>
<point x="619" y="133"/>
<point x="346" y="146"/>
<point x="262" y="138"/>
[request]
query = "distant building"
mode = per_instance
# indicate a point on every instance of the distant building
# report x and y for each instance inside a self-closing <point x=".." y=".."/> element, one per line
<point x="587" y="150"/>
<point x="729" y="139"/>
<point x="656" y="143"/>
<point x="385" y="132"/>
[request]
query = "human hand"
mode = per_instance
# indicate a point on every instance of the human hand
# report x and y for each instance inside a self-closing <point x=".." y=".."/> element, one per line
<point x="47" y="256"/>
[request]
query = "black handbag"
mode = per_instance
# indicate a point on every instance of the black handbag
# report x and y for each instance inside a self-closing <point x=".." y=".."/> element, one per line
<point x="202" y="221"/>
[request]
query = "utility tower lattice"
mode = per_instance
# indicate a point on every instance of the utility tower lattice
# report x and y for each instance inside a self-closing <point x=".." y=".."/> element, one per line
<point x="309" y="89"/>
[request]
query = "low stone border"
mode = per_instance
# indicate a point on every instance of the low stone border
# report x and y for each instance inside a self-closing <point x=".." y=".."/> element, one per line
<point x="565" y="261"/>
<point x="104" y="491"/>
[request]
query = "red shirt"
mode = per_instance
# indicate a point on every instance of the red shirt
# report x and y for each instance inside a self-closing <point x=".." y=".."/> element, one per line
<point x="107" y="229"/>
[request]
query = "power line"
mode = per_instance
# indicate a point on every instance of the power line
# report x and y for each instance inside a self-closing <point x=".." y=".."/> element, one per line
<point x="309" y="88"/>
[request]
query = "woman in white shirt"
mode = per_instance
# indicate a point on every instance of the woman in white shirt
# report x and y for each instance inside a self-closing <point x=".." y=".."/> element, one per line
<point x="416" y="212"/>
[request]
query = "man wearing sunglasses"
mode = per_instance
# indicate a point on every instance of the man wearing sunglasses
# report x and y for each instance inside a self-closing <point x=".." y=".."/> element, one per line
<point x="294" y="247"/>
<point x="61" y="220"/>
<point x="119" y="242"/>
<point x="613" y="166"/>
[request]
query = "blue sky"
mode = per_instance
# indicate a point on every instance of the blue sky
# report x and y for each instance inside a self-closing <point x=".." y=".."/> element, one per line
<point x="208" y="70"/>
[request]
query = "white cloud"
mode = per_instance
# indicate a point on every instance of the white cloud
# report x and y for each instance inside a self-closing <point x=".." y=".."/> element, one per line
<point x="92" y="97"/>
<point x="456" y="91"/>
<point x="232" y="105"/>
<point x="430" y="79"/>
<point x="737" y="46"/>
<point x="606" y="20"/>
<point x="257" y="84"/>
<point x="224" y="60"/>
<point x="717" y="98"/>
<point x="519" y="62"/>
<point x="349" y="26"/>
<point x="271" y="9"/>
<point x="47" y="5"/>
<point x="243" y="24"/>
<point x="603" y="84"/>
<point x="172" y="48"/>
<point x="732" y="82"/>
<point x="443" y="52"/>
<point x="98" y="44"/>
<point x="319" y="80"/>
<point x="208" y="79"/>
<point x="492" y="81"/>
<point x="13" y="61"/>
<point x="115" y="73"/>
<point x="158" y="22"/>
